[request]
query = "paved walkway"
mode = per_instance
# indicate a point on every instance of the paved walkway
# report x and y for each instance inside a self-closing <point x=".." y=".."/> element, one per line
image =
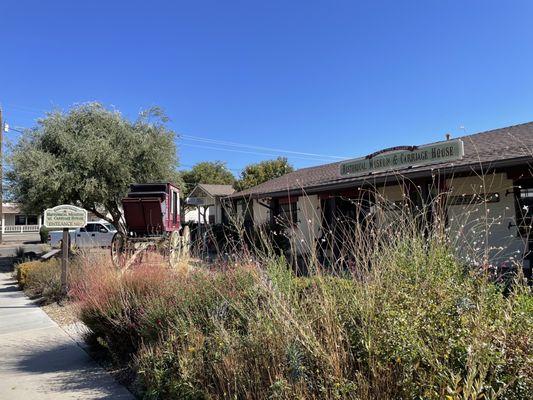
<point x="38" y="360"/>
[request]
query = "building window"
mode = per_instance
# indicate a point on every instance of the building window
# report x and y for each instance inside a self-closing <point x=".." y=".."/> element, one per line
<point x="20" y="219"/>
<point x="32" y="220"/>
<point x="524" y="209"/>
<point x="470" y="199"/>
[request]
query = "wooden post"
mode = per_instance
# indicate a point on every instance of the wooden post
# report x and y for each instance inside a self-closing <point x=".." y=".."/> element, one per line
<point x="64" y="260"/>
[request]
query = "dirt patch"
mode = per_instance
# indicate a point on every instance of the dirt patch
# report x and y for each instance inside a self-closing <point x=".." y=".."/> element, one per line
<point x="64" y="314"/>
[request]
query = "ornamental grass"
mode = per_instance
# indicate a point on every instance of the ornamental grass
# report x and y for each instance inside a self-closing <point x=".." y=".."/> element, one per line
<point x="393" y="314"/>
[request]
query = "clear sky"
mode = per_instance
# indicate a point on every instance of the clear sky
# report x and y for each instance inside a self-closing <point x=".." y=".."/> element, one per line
<point x="335" y="78"/>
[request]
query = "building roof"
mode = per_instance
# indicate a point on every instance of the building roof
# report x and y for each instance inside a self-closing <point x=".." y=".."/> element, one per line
<point x="216" y="190"/>
<point x="481" y="149"/>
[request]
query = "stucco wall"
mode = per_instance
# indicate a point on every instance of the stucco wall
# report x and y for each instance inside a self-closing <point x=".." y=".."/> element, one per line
<point x="391" y="193"/>
<point x="388" y="210"/>
<point x="217" y="209"/>
<point x="309" y="222"/>
<point x="261" y="213"/>
<point x="484" y="228"/>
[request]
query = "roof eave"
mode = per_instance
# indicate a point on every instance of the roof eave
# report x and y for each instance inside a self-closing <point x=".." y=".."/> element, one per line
<point x="475" y="167"/>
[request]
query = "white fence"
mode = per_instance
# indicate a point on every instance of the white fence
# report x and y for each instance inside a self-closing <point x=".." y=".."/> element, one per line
<point x="20" y="228"/>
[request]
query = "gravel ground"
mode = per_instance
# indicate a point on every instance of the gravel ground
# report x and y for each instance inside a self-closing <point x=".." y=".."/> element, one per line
<point x="64" y="314"/>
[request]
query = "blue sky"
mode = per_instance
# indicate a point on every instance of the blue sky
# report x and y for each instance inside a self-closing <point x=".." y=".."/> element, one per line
<point x="333" y="78"/>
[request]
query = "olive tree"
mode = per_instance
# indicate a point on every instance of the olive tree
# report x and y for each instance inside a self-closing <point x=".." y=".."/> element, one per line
<point x="88" y="156"/>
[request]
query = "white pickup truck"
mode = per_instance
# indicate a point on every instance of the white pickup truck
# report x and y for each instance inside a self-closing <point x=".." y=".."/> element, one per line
<point x="94" y="234"/>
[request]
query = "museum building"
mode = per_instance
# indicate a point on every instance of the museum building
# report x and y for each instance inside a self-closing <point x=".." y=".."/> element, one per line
<point x="486" y="177"/>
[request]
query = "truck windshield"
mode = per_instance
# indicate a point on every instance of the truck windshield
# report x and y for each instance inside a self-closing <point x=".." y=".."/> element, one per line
<point x="110" y="227"/>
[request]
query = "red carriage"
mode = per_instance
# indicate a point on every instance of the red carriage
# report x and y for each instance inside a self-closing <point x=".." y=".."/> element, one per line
<point x="152" y="216"/>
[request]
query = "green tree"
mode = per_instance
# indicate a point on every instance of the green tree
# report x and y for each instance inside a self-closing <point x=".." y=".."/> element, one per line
<point x="210" y="172"/>
<point x="88" y="157"/>
<point x="255" y="174"/>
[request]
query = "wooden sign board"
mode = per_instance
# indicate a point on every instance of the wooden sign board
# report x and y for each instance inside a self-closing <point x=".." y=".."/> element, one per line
<point x="443" y="152"/>
<point x="65" y="216"/>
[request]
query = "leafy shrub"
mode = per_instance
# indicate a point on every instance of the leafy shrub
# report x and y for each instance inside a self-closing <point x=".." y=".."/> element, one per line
<point x="40" y="279"/>
<point x="21" y="272"/>
<point x="43" y="234"/>
<point x="43" y="278"/>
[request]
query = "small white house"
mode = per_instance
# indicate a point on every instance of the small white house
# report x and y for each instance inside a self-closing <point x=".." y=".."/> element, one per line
<point x="15" y="221"/>
<point x="204" y="203"/>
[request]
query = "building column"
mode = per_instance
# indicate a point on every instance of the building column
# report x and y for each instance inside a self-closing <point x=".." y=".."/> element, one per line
<point x="3" y="223"/>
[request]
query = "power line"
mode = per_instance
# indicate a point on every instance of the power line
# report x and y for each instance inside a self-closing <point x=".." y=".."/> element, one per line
<point x="237" y="144"/>
<point x="231" y="169"/>
<point x="250" y="152"/>
<point x="24" y="108"/>
<point x="263" y="149"/>
<point x="320" y="157"/>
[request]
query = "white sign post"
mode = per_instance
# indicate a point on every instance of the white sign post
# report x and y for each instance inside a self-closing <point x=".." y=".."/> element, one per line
<point x="65" y="217"/>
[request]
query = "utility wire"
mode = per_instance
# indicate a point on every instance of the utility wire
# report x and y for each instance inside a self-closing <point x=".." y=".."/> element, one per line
<point x="320" y="157"/>
<point x="231" y="169"/>
<point x="249" y="146"/>
<point x="251" y="152"/>
<point x="24" y="108"/>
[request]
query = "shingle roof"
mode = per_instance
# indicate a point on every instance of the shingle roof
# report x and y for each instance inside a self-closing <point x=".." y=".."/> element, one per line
<point x="513" y="142"/>
<point x="217" y="190"/>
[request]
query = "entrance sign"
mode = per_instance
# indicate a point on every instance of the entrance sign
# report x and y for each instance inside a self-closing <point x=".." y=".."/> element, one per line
<point x="65" y="216"/>
<point x="403" y="157"/>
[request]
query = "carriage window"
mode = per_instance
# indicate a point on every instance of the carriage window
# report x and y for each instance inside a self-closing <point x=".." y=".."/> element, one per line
<point x="174" y="207"/>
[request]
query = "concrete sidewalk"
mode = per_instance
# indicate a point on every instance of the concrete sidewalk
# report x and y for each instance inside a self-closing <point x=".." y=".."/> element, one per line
<point x="38" y="360"/>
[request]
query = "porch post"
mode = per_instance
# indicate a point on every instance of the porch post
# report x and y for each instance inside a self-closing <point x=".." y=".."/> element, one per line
<point x="39" y="221"/>
<point x="3" y="223"/>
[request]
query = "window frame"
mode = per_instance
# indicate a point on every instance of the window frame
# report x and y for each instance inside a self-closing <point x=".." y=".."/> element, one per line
<point x="524" y="221"/>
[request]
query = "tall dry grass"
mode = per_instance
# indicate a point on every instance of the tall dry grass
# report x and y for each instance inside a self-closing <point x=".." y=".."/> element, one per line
<point x="388" y="311"/>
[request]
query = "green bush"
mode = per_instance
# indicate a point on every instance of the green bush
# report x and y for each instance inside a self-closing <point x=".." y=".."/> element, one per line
<point x="42" y="279"/>
<point x="43" y="233"/>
